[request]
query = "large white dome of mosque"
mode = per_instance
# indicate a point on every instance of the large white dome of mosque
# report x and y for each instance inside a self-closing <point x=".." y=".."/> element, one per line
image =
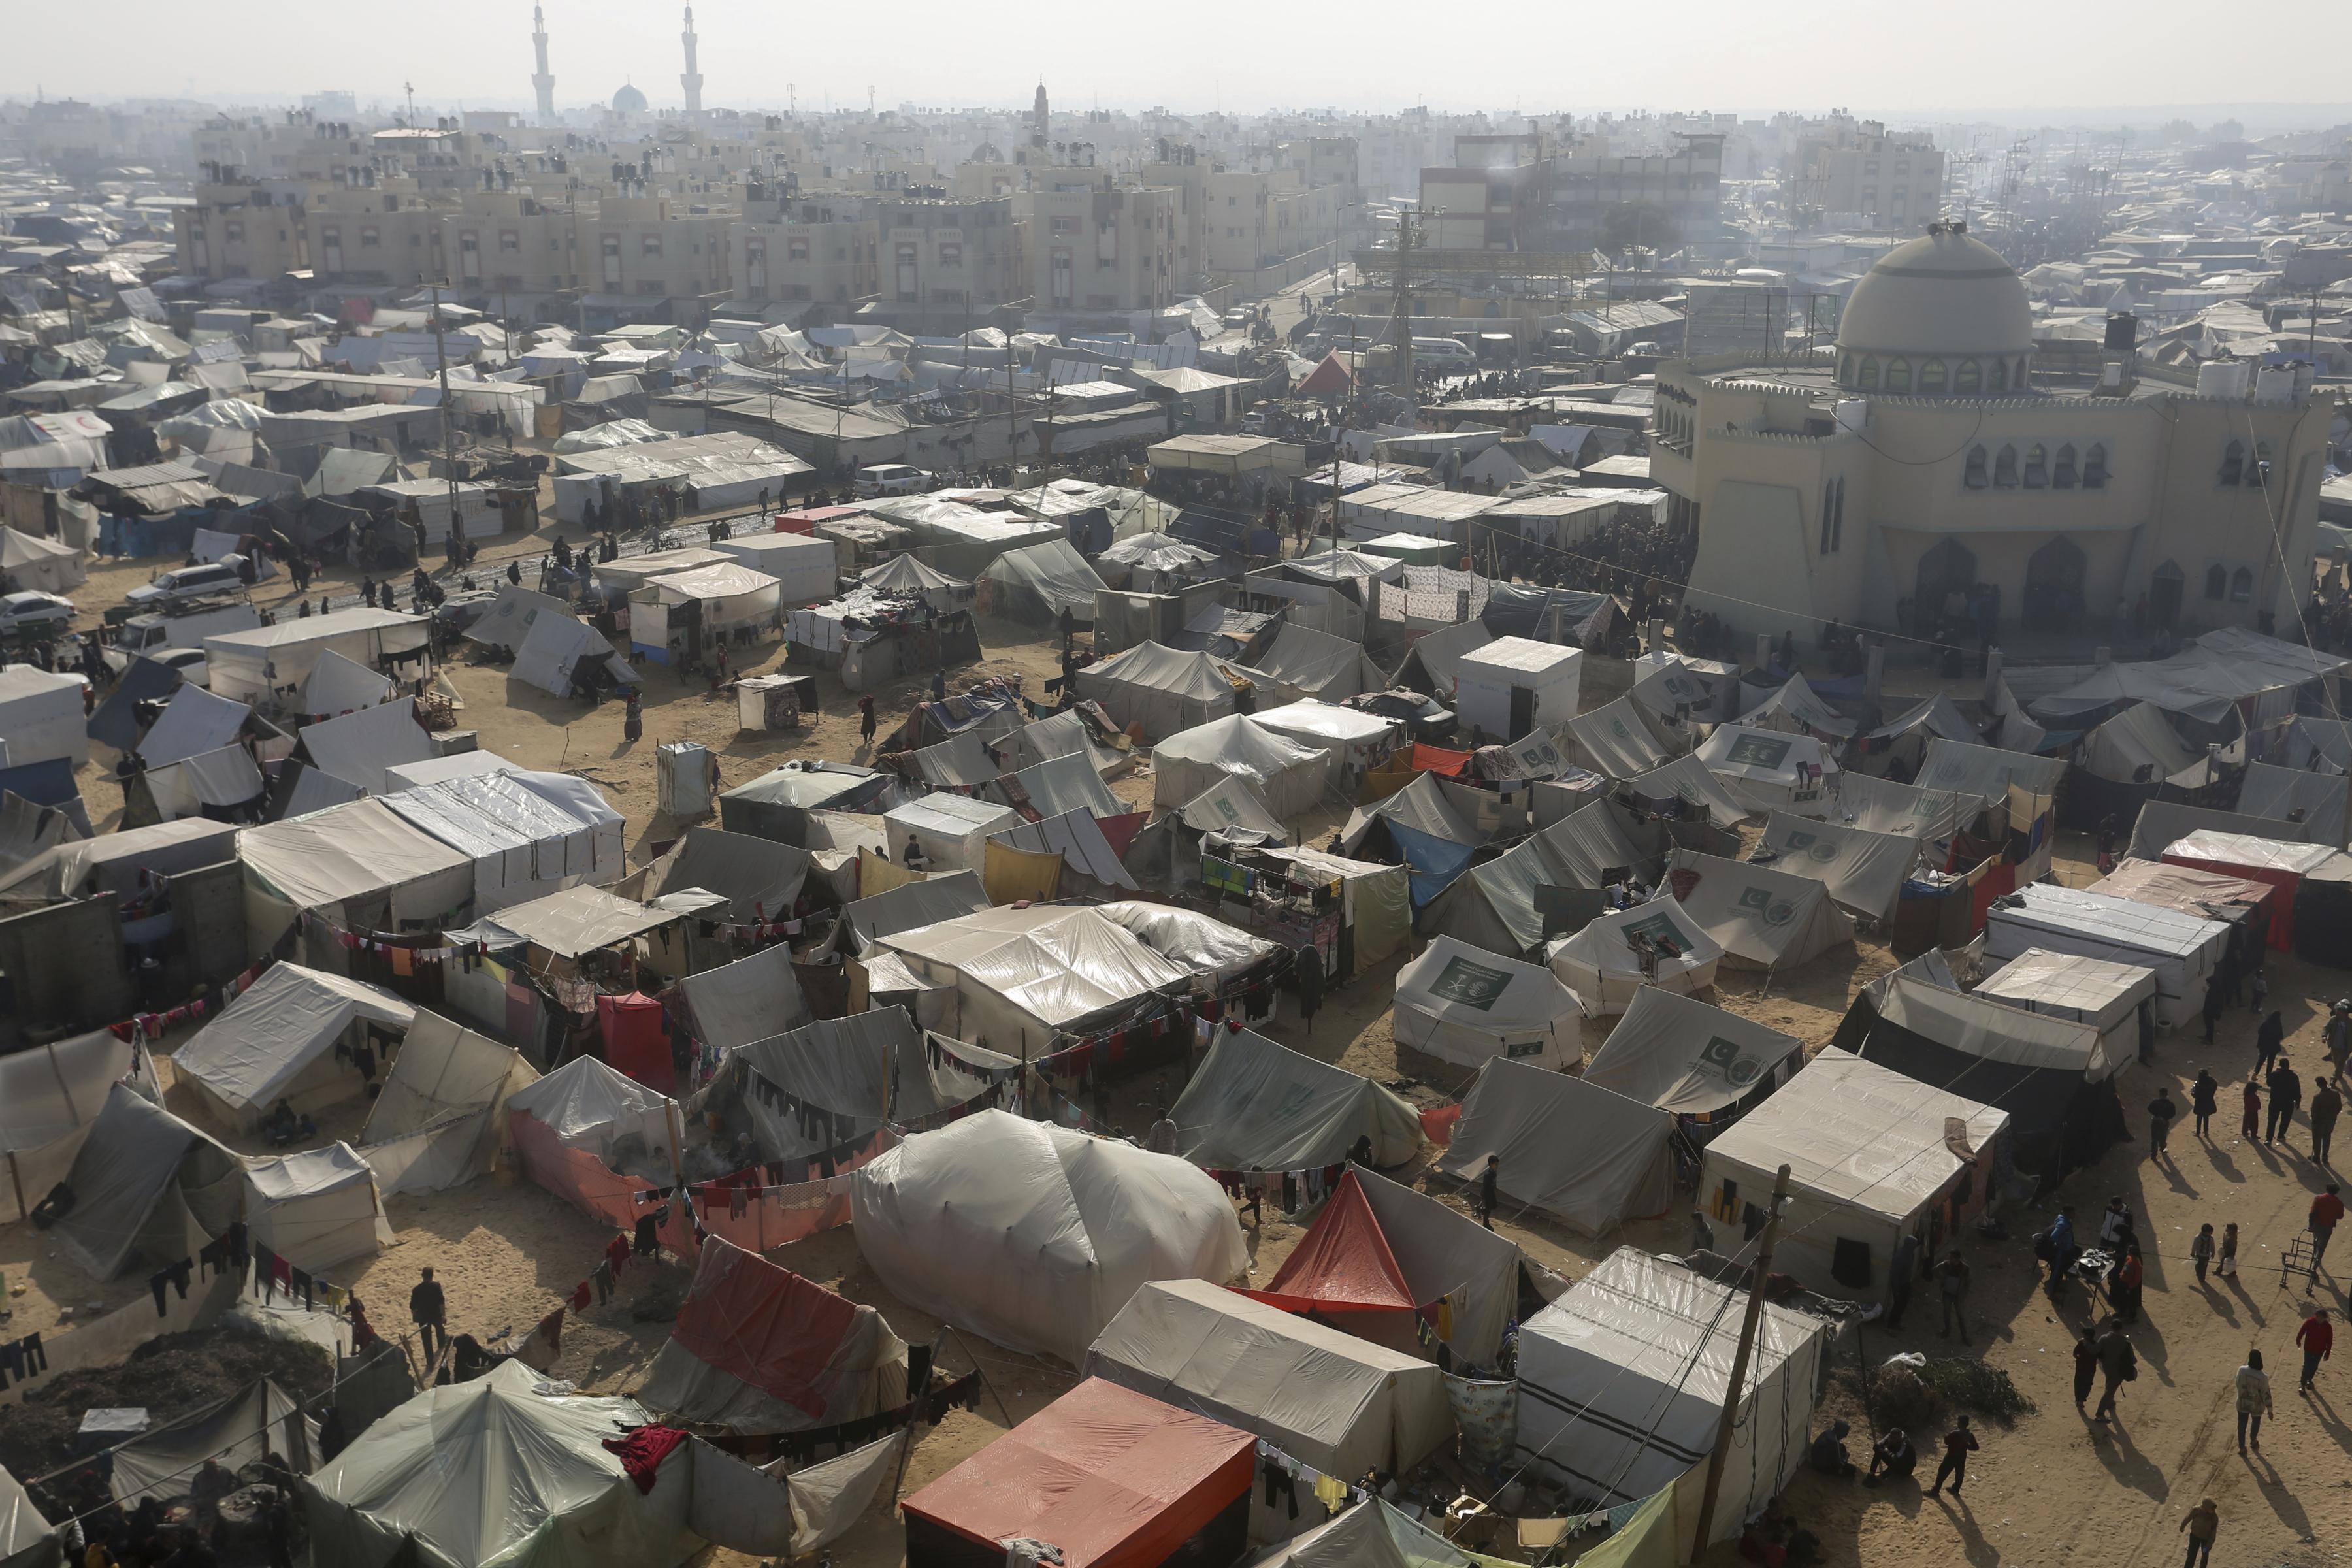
<point x="1942" y="315"/>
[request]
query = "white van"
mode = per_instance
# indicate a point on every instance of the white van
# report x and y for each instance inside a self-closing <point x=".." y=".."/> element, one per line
<point x="891" y="479"/>
<point x="1444" y="353"/>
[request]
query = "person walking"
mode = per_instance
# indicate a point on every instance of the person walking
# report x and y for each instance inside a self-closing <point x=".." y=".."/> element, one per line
<point x="2286" y="1098"/>
<point x="2250" y="1122"/>
<point x="2326" y="1105"/>
<point x="2253" y="1401"/>
<point x="2063" y="1248"/>
<point x="2316" y="1340"/>
<point x="2086" y="1367"/>
<point x="2202" y="1523"/>
<point x="2161" y="1114"/>
<point x="2338" y="1037"/>
<point x="2269" y="1040"/>
<point x="2204" y="1100"/>
<point x="1959" y="1444"/>
<point x="1486" y="1180"/>
<point x="2119" y="1364"/>
<point x="2212" y="1010"/>
<point x="866" y="721"/>
<point x="2201" y="1253"/>
<point x="2226" y="1265"/>
<point x="2125" y="1285"/>
<point x="1952" y="1292"/>
<point x="2325" y="1214"/>
<point x="429" y="1311"/>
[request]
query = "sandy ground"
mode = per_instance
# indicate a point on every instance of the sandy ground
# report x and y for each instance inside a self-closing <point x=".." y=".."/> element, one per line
<point x="2054" y="1488"/>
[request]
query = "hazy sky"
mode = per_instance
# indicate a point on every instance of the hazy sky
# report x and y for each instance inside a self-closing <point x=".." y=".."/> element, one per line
<point x="1378" y="55"/>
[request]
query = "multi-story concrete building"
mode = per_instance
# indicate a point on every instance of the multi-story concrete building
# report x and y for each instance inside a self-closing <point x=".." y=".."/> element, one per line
<point x="1098" y="246"/>
<point x="1847" y="173"/>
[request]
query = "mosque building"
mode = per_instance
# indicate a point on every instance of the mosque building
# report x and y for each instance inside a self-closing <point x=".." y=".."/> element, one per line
<point x="1930" y="465"/>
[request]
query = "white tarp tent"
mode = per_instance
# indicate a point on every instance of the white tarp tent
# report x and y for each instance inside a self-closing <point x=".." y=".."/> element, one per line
<point x="1304" y="664"/>
<point x="1623" y="1380"/>
<point x="750" y="999"/>
<point x="1603" y="967"/>
<point x="277" y="1042"/>
<point x="1795" y="708"/>
<point x="1037" y="584"/>
<point x="1759" y="917"/>
<point x="1288" y="776"/>
<point x="2322" y="801"/>
<point x="952" y="830"/>
<point x="1687" y="779"/>
<point x="1986" y="772"/>
<point x="1252" y="1102"/>
<point x="49" y="1096"/>
<point x="1021" y="976"/>
<point x="26" y="1538"/>
<point x="556" y="648"/>
<point x="1587" y="1155"/>
<point x="1375" y="900"/>
<point x="358" y="747"/>
<point x="491" y="1474"/>
<point x="2109" y="997"/>
<point x="147" y="1186"/>
<point x="1863" y="871"/>
<point x="34" y="563"/>
<point x="358" y="864"/>
<point x="1883" y="805"/>
<point x="2140" y="746"/>
<point x="1034" y="1236"/>
<point x="316" y="1209"/>
<point x="2181" y="948"/>
<point x="441" y="1116"/>
<point x="339" y="685"/>
<point x="1681" y="1055"/>
<point x="192" y="722"/>
<point x="41" y="717"/>
<point x="1615" y="742"/>
<point x="1163" y="689"/>
<point x="1466" y="1004"/>
<point x="1323" y="1396"/>
<point x="1765" y="769"/>
<point x="1870" y="1151"/>
<point x="1355" y="743"/>
<point x="236" y="1431"/>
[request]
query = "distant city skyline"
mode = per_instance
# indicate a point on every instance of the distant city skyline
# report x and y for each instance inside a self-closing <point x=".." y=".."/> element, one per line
<point x="2012" y="62"/>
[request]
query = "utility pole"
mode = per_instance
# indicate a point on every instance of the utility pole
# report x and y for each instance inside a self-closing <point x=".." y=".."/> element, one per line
<point x="1400" y="312"/>
<point x="448" y="451"/>
<point x="1730" y="1418"/>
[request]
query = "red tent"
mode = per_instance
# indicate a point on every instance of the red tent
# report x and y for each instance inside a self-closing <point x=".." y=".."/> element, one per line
<point x="1113" y="1478"/>
<point x="2264" y="860"/>
<point x="634" y="1042"/>
<point x="1342" y="1264"/>
<point x="1328" y="379"/>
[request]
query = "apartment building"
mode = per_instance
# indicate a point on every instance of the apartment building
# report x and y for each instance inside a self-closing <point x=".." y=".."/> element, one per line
<point x="1094" y="246"/>
<point x="1844" y="174"/>
<point x="1686" y="185"/>
<point x="960" y="254"/>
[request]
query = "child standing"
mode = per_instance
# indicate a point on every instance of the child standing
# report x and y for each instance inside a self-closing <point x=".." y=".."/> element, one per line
<point x="2250" y="1124"/>
<point x="2227" y="1265"/>
<point x="2260" y="987"/>
<point x="2200" y="1251"/>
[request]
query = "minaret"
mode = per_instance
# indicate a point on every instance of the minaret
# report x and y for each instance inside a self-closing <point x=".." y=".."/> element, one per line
<point x="544" y="83"/>
<point x="1037" y="119"/>
<point x="692" y="80"/>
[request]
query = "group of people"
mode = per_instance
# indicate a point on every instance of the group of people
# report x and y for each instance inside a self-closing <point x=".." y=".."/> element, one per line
<point x="101" y="1532"/>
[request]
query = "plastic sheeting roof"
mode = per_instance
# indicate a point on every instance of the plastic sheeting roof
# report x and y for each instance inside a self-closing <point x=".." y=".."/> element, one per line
<point x="2139" y="737"/>
<point x="1687" y="778"/>
<point x="357" y="747"/>
<point x="1987" y="1027"/>
<point x="572" y="923"/>
<point x="1795" y="707"/>
<point x="194" y="720"/>
<point x="1616" y="741"/>
<point x="1075" y="837"/>
<point x="1306" y="663"/>
<point x="1110" y="1475"/>
<point x="1056" y="574"/>
<point x="283" y="1022"/>
<point x="589" y="1106"/>
<point x="2209" y="895"/>
<point x="912" y="905"/>
<point x="1857" y="1134"/>
<point x="1681" y="1055"/>
<point x="1883" y="805"/>
<point x="1289" y="777"/>
<point x="2203" y="681"/>
<point x="1035" y="1236"/>
<point x="2321" y="798"/>
<point x="2164" y="823"/>
<point x="750" y="999"/>
<point x="868" y="1070"/>
<point x="1323" y="1397"/>
<point x="1986" y="772"/>
<point x="1253" y="1103"/>
<point x="759" y="877"/>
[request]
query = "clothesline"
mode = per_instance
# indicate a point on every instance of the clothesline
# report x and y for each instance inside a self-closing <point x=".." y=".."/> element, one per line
<point x="154" y="1025"/>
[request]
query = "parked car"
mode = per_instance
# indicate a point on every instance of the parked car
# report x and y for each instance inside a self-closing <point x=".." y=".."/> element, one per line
<point x="188" y="661"/>
<point x="186" y="582"/>
<point x="33" y="608"/>
<point x="1240" y="316"/>
<point x="1425" y="719"/>
<point x="891" y="479"/>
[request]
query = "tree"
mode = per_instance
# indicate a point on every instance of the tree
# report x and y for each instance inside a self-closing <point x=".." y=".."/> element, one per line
<point x="1643" y="225"/>
<point x="2175" y="131"/>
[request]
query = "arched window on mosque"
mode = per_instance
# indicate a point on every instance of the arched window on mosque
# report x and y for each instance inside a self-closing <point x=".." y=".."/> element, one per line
<point x="2242" y="586"/>
<point x="1898" y="374"/>
<point x="1866" y="379"/>
<point x="1933" y="376"/>
<point x="2094" y="467"/>
<point x="1969" y="378"/>
<point x="2234" y="462"/>
<point x="2217" y="582"/>
<point x="2066" y="476"/>
<point x="1975" y="476"/>
<point x="2004" y="468"/>
<point x="2037" y="468"/>
<point x="1998" y="376"/>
